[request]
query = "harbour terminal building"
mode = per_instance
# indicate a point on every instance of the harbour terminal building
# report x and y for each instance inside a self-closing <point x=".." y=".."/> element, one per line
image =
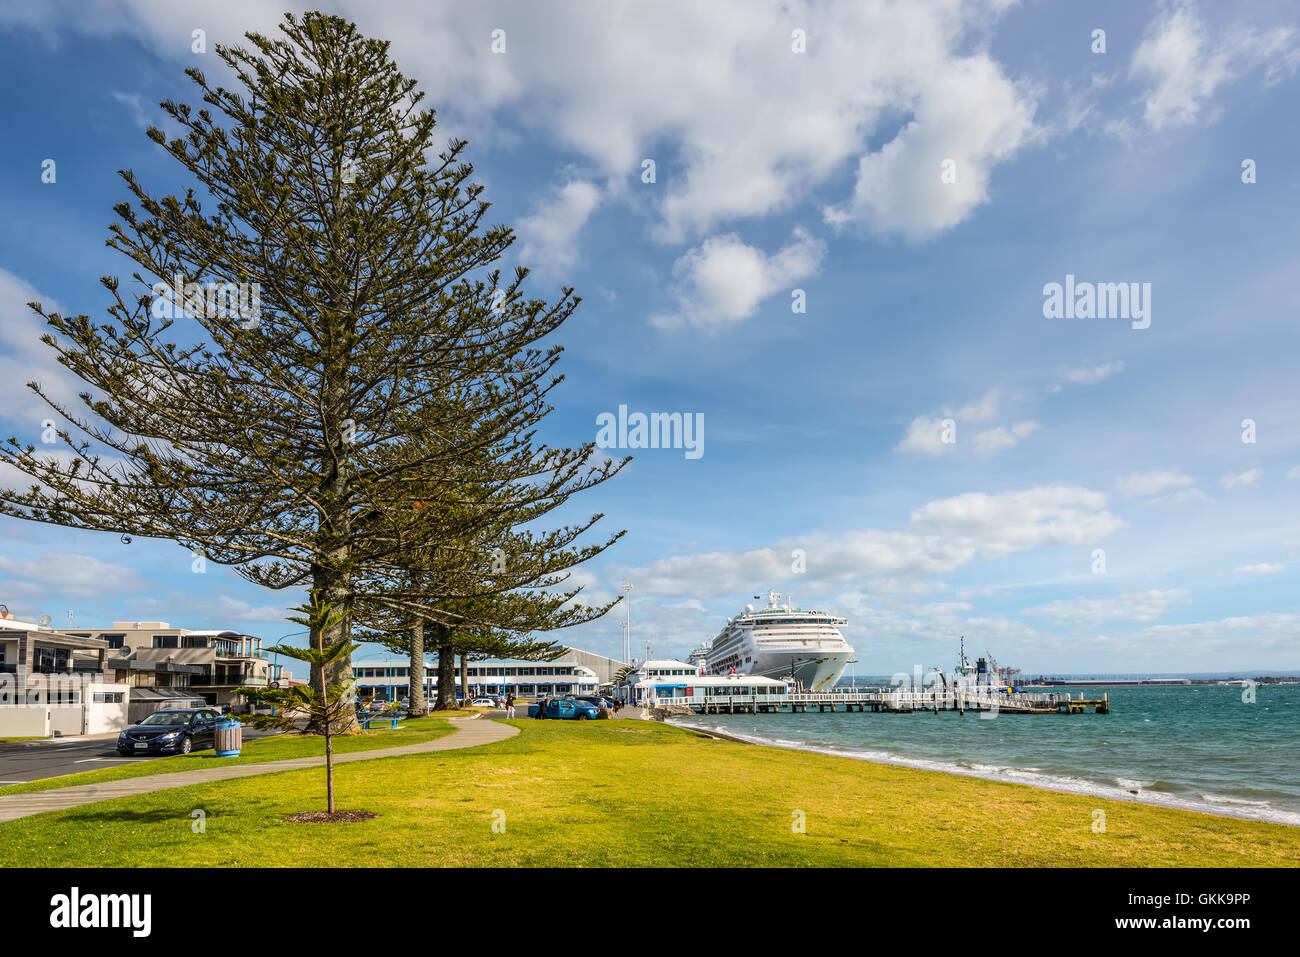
<point x="656" y="681"/>
<point x="576" y="672"/>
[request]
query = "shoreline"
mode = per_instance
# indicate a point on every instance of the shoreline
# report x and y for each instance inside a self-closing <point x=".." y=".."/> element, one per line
<point x="1090" y="789"/>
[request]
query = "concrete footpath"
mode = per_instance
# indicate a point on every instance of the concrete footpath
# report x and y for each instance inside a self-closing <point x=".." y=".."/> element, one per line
<point x="469" y="733"/>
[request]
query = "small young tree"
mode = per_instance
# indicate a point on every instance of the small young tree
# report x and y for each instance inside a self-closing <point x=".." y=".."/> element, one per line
<point x="621" y="676"/>
<point x="325" y="709"/>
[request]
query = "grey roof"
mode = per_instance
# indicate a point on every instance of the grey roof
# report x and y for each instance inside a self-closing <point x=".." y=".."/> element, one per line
<point x="164" y="694"/>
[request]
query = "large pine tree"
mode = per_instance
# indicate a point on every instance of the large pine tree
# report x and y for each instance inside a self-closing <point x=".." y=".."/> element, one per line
<point x="491" y="575"/>
<point x="277" y="438"/>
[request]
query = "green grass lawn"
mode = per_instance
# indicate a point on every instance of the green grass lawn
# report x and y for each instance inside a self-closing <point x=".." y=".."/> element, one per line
<point x="613" y="793"/>
<point x="278" y="747"/>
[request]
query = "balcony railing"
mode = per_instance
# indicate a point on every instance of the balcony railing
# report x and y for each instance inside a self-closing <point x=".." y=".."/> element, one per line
<point x="228" y="680"/>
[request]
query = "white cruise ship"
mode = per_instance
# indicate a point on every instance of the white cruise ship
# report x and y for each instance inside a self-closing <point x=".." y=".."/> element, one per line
<point x="776" y="642"/>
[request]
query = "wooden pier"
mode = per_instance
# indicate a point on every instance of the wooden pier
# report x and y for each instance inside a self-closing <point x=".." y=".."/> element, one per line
<point x="886" y="702"/>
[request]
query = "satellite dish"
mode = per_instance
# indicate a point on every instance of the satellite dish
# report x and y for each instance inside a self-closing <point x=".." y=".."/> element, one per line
<point x="44" y="621"/>
<point x="126" y="539"/>
<point x="749" y="608"/>
<point x="124" y="651"/>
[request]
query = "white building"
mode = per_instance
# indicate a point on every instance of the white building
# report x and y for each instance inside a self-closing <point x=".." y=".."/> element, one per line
<point x="656" y="680"/>
<point x="388" y="677"/>
<point x="56" y="684"/>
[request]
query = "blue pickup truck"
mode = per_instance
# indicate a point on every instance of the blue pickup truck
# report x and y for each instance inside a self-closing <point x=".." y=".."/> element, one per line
<point x="565" y="708"/>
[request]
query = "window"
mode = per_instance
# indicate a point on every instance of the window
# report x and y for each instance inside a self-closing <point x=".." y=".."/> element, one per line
<point x="108" y="697"/>
<point x="192" y="641"/>
<point x="165" y="641"/>
<point x="51" y="660"/>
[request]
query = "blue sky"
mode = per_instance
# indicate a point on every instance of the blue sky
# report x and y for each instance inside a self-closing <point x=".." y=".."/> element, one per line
<point x="820" y="171"/>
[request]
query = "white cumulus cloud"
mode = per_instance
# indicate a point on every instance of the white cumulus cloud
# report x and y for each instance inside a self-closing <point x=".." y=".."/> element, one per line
<point x="1248" y="478"/>
<point x="722" y="281"/>
<point x="1134" y="606"/>
<point x="1260" y="568"/>
<point x="994" y="440"/>
<point x="549" y="234"/>
<point x="1183" y="63"/>
<point x="944" y="535"/>
<point x="1144" y="484"/>
<point x="1091" y="375"/>
<point x="925" y="433"/>
<point x="965" y="120"/>
<point x="739" y="124"/>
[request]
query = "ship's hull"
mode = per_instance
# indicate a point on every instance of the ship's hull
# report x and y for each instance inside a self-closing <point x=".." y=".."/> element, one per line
<point x="812" y="671"/>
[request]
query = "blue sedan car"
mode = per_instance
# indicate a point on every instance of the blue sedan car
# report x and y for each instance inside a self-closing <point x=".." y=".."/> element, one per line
<point x="173" y="731"/>
<point x="565" y="708"/>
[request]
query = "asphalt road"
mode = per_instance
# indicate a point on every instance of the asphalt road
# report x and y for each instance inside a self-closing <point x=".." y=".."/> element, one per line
<point x="30" y="760"/>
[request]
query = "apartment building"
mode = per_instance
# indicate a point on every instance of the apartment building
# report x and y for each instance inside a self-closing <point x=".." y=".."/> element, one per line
<point x="53" y="683"/>
<point x="207" y="664"/>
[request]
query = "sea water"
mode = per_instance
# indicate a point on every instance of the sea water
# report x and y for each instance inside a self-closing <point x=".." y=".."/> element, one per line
<point x="1199" y="747"/>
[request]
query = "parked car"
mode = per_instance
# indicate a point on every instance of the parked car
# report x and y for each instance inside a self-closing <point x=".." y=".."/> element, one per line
<point x="483" y="703"/>
<point x="598" y="700"/>
<point x="565" y="708"/>
<point x="172" y="731"/>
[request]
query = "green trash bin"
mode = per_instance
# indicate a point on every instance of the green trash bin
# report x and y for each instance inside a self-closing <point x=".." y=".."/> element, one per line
<point x="228" y="738"/>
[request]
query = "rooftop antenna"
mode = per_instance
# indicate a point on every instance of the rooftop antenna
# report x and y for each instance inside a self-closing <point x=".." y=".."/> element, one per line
<point x="71" y="623"/>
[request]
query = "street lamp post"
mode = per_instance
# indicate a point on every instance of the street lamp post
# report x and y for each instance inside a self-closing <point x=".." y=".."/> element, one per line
<point x="626" y="588"/>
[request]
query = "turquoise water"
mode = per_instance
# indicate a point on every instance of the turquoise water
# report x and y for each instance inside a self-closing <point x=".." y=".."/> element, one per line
<point x="1197" y="747"/>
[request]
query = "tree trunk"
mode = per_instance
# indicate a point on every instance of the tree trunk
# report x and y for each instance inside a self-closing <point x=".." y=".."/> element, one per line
<point x="329" y="745"/>
<point x="329" y="772"/>
<point x="417" y="707"/>
<point x="446" y="676"/>
<point x="334" y="588"/>
<point x="464" y="677"/>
